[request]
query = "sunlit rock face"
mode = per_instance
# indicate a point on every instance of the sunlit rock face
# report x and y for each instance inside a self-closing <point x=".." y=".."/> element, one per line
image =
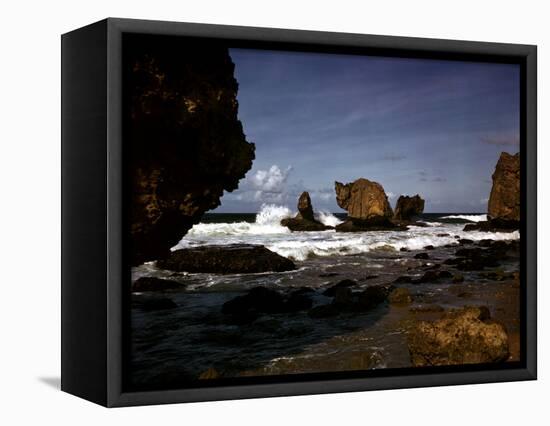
<point x="182" y="136"/>
<point x="504" y="200"/>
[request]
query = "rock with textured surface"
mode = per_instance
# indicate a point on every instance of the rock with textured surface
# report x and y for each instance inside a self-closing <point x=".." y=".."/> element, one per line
<point x="465" y="336"/>
<point x="407" y="207"/>
<point x="305" y="219"/>
<point x="185" y="143"/>
<point x="504" y="200"/>
<point x="305" y="208"/>
<point x="364" y="200"/>
<point x="228" y="259"/>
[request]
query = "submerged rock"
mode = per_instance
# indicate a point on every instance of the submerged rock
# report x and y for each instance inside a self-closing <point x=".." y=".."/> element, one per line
<point x="304" y="220"/>
<point x="366" y="203"/>
<point x="228" y="259"/>
<point x="465" y="336"/>
<point x="407" y="207"/>
<point x="263" y="300"/>
<point x="186" y="145"/>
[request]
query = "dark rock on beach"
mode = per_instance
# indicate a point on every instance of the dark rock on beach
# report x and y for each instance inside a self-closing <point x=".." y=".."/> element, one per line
<point x="229" y="259"/>
<point x="186" y="143"/>
<point x="407" y="207"/>
<point x="305" y="219"/>
<point x="465" y="336"/>
<point x="262" y="300"/>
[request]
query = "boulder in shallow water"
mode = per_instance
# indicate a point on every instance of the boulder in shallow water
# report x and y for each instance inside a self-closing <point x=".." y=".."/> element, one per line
<point x="407" y="207"/>
<point x="228" y="259"/>
<point x="465" y="336"/>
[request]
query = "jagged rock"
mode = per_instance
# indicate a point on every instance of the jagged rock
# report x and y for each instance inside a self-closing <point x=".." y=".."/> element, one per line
<point x="364" y="200"/>
<point x="503" y="211"/>
<point x="466" y="336"/>
<point x="185" y="143"/>
<point x="407" y="207"/>
<point x="228" y="259"/>
<point x="305" y="208"/>
<point x="504" y="199"/>
<point x="305" y="219"/>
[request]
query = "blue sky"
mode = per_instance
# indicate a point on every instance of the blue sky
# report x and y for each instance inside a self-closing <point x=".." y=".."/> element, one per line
<point x="435" y="128"/>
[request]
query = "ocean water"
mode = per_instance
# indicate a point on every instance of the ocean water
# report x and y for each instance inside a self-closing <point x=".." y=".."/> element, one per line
<point x="176" y="345"/>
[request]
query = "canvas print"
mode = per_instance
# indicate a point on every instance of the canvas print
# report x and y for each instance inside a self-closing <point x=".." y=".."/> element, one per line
<point x="294" y="213"/>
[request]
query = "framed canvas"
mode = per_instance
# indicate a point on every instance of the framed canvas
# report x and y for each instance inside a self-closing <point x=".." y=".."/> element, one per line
<point x="255" y="212"/>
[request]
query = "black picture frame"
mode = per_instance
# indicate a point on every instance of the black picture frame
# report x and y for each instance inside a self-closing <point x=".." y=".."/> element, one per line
<point x="93" y="272"/>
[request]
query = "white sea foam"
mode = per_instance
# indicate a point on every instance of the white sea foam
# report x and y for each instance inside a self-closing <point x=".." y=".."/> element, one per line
<point x="267" y="231"/>
<point x="268" y="221"/>
<point x="470" y="217"/>
<point x="327" y="218"/>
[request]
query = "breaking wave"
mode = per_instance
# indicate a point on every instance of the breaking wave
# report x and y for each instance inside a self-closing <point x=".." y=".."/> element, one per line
<point x="327" y="218"/>
<point x="268" y="221"/>
<point x="266" y="230"/>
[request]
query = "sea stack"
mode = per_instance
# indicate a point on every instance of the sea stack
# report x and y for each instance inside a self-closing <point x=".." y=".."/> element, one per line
<point x="305" y="219"/>
<point x="503" y="211"/>
<point x="408" y="207"/>
<point x="504" y="199"/>
<point x="367" y="206"/>
<point x="186" y="143"/>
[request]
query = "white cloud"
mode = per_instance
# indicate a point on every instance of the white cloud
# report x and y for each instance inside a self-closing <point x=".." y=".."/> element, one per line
<point x="272" y="180"/>
<point x="265" y="186"/>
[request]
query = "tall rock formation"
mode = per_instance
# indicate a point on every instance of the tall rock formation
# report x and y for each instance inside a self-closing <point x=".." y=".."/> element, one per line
<point x="503" y="212"/>
<point x="305" y="219"/>
<point x="182" y="137"/>
<point x="408" y="207"/>
<point x="305" y="208"/>
<point x="505" y="197"/>
<point x="366" y="203"/>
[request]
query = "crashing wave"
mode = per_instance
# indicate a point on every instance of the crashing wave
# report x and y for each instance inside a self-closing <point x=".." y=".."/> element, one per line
<point x="327" y="218"/>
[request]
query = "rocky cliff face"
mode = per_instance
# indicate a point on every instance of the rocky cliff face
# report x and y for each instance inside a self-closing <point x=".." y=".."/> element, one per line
<point x="504" y="200"/>
<point x="408" y="207"/>
<point x="363" y="200"/>
<point x="184" y="141"/>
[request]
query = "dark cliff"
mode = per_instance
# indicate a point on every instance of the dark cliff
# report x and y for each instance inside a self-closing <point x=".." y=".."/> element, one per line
<point x="182" y="136"/>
